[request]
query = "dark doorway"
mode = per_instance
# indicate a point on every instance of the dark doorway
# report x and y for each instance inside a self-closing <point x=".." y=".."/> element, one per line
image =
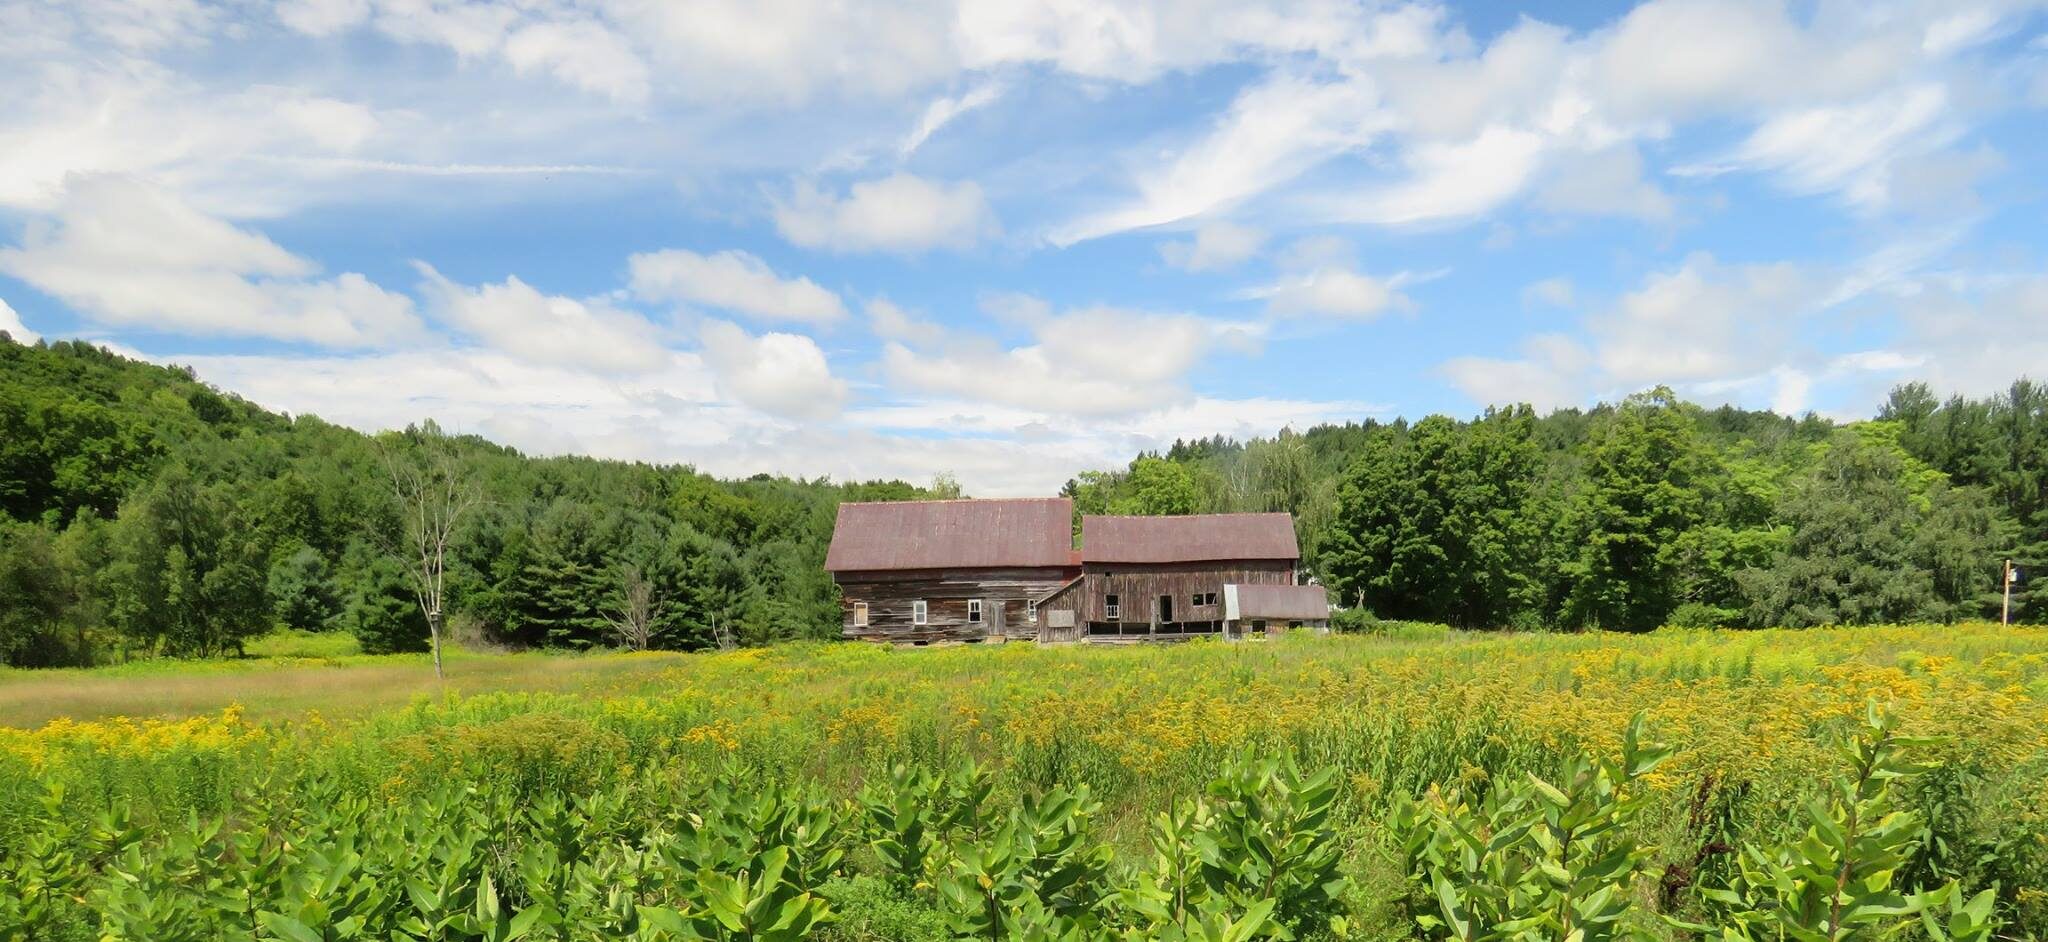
<point x="1166" y="609"/>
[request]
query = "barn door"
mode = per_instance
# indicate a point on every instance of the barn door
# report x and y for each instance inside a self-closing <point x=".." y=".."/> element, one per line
<point x="1166" y="609"/>
<point x="995" y="626"/>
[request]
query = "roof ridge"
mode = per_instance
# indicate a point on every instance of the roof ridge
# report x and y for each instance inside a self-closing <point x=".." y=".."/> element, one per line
<point x="956" y="500"/>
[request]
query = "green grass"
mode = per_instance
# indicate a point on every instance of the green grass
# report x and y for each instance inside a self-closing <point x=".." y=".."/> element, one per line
<point x="295" y="642"/>
<point x="295" y="673"/>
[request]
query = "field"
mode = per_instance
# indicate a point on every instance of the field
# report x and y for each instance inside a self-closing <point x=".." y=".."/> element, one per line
<point x="1015" y="791"/>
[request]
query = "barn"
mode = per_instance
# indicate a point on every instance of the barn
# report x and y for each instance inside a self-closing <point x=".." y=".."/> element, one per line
<point x="1166" y="578"/>
<point x="949" y="570"/>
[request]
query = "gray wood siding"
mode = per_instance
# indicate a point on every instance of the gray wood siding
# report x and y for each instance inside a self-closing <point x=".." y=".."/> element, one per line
<point x="889" y="597"/>
<point x="1138" y="588"/>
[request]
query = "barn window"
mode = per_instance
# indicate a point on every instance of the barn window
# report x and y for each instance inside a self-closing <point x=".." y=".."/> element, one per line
<point x="860" y="614"/>
<point x="917" y="612"/>
<point x="973" y="610"/>
<point x="1110" y="609"/>
<point x="1259" y="626"/>
<point x="1031" y="611"/>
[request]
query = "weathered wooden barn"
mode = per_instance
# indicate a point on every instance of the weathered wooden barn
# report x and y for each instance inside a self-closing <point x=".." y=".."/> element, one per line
<point x="1164" y="578"/>
<point x="949" y="570"/>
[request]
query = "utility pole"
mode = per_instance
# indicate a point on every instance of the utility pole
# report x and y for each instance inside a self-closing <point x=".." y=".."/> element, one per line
<point x="2005" y="612"/>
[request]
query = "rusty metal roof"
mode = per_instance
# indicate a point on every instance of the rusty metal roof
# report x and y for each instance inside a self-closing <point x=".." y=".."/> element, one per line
<point x="952" y="534"/>
<point x="1304" y="602"/>
<point x="1194" y="538"/>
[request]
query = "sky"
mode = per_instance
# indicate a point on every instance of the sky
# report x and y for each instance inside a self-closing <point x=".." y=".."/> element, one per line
<point x="1010" y="241"/>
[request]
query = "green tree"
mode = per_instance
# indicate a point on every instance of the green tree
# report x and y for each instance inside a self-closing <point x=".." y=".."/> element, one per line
<point x="35" y="594"/>
<point x="1647" y="477"/>
<point x="302" y="590"/>
<point x="1160" y="488"/>
<point x="1441" y="525"/>
<point x="186" y="575"/>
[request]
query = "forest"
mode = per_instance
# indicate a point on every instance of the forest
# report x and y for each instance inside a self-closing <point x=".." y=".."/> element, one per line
<point x="149" y="514"/>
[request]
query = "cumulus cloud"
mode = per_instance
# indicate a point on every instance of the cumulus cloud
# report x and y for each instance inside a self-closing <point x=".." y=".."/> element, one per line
<point x="11" y="325"/>
<point x="1603" y="183"/>
<point x="515" y="318"/>
<point x="1216" y="246"/>
<point x="1704" y="325"/>
<point x="901" y="213"/>
<point x="780" y="374"/>
<point x="891" y="322"/>
<point x="1088" y="361"/>
<point x="734" y="281"/>
<point x="123" y="252"/>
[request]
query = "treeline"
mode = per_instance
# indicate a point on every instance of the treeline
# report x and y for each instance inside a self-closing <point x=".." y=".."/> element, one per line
<point x="144" y="513"/>
<point x="1647" y="513"/>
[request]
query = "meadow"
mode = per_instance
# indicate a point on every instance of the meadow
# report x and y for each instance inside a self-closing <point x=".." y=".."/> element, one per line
<point x="1334" y="787"/>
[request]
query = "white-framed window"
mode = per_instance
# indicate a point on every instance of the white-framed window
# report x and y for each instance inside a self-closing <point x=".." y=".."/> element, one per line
<point x="917" y="612"/>
<point x="860" y="614"/>
<point x="1031" y="611"/>
<point x="1110" y="609"/>
<point x="973" y="610"/>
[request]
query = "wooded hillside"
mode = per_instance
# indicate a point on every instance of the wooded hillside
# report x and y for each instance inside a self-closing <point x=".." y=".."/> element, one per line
<point x="144" y="512"/>
<point x="1646" y="513"/>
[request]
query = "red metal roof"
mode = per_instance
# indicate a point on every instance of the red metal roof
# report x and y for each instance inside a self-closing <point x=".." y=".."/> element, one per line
<point x="1194" y="538"/>
<point x="953" y="534"/>
<point x="1305" y="602"/>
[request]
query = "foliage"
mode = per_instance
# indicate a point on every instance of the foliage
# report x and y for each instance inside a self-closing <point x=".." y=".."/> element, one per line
<point x="1201" y="791"/>
<point x="1532" y="859"/>
<point x="1838" y="881"/>
<point x="166" y="518"/>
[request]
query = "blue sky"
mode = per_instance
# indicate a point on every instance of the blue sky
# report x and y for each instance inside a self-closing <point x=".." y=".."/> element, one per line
<point x="1012" y="241"/>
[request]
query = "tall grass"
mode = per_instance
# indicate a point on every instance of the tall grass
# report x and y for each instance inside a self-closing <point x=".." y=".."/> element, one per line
<point x="1751" y="713"/>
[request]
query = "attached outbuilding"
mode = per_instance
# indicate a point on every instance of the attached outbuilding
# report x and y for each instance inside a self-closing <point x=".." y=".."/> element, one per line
<point x="949" y="570"/>
<point x="1168" y="578"/>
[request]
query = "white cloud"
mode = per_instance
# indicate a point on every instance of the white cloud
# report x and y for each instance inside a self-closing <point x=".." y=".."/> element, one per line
<point x="11" y="325"/>
<point x="1704" y="321"/>
<point x="1216" y="246"/>
<point x="1550" y="374"/>
<point x="676" y="415"/>
<point x="1850" y="149"/>
<point x="942" y="111"/>
<point x="1554" y="292"/>
<point x="780" y="374"/>
<point x="515" y="318"/>
<point x="1452" y="181"/>
<point x="1974" y="342"/>
<point x="1090" y="361"/>
<point x="1603" y="183"/>
<point x="1674" y="59"/>
<point x="322" y="17"/>
<point x="899" y="213"/>
<point x="891" y="322"/>
<point x="581" y="53"/>
<point x="123" y="252"/>
<point x="1334" y="291"/>
<point x="1273" y="132"/>
<point x="732" y="280"/>
<point x="1705" y="325"/>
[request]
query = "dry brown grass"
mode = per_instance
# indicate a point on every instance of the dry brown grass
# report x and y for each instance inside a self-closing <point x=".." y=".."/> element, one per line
<point x="279" y="688"/>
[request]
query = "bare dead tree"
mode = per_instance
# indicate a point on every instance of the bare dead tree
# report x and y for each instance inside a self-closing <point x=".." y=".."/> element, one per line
<point x="632" y="618"/>
<point x="433" y="491"/>
<point x="721" y="634"/>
